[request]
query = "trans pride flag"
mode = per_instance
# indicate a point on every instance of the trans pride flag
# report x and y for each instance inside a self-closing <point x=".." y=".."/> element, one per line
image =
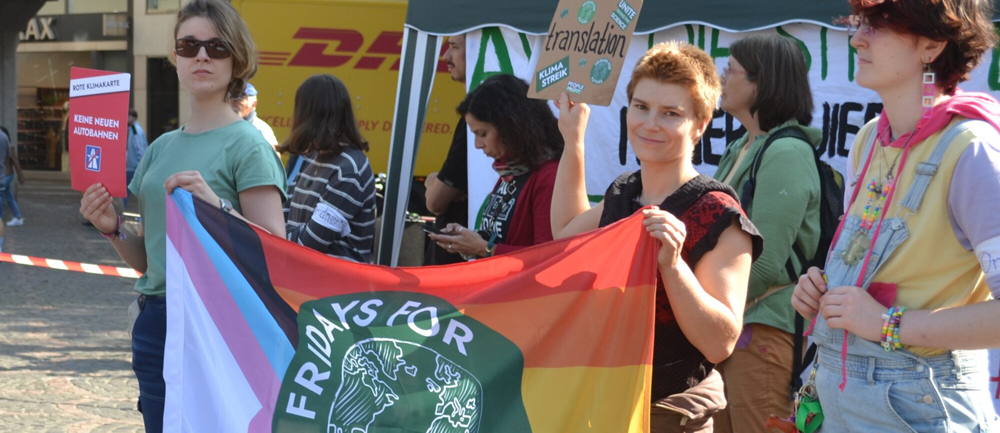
<point x="265" y="335"/>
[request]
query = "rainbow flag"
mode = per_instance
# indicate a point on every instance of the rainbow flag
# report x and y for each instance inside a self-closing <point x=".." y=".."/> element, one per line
<point x="265" y="335"/>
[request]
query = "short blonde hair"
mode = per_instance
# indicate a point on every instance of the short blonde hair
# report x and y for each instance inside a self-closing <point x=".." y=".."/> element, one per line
<point x="234" y="32"/>
<point x="685" y="65"/>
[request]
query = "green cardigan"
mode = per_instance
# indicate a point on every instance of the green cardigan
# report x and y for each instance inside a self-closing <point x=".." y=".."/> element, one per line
<point x="785" y="209"/>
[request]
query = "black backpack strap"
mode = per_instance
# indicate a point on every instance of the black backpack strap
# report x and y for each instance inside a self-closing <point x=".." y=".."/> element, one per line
<point x="749" y="188"/>
<point x="746" y="198"/>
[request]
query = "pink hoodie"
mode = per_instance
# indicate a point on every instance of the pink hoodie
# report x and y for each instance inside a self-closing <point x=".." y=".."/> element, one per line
<point x="972" y="105"/>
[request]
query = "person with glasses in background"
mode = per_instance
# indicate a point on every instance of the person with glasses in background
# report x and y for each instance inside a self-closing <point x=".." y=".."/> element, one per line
<point x="217" y="156"/>
<point x="766" y="87"/>
<point x="905" y="307"/>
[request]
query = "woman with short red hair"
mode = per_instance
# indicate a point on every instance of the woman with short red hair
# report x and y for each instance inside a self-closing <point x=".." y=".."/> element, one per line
<point x="707" y="243"/>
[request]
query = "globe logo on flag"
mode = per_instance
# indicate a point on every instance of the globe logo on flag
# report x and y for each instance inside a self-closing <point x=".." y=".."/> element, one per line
<point x="93" y="154"/>
<point x="395" y="361"/>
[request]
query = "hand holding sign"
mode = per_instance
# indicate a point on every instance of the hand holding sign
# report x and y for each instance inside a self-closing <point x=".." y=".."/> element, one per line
<point x="573" y="119"/>
<point x="96" y="207"/>
<point x="585" y="49"/>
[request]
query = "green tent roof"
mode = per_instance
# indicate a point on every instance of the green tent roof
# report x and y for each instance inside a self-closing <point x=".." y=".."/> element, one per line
<point x="445" y="17"/>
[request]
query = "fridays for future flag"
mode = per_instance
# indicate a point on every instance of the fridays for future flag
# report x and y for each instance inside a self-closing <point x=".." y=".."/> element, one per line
<point x="264" y="334"/>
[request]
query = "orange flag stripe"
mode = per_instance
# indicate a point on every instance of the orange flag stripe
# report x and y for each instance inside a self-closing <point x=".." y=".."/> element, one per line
<point x="551" y="330"/>
<point x="538" y="271"/>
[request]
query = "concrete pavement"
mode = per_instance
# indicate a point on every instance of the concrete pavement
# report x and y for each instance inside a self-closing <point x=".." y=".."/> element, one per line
<point x="64" y="351"/>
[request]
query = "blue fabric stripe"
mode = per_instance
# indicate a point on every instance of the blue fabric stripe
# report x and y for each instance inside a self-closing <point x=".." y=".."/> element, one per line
<point x="269" y="335"/>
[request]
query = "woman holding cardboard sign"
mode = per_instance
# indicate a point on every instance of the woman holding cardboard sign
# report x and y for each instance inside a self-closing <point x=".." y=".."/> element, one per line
<point x="708" y="244"/>
<point x="216" y="156"/>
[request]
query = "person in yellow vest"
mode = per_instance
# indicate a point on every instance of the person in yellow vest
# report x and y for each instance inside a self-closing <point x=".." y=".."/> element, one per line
<point x="904" y="309"/>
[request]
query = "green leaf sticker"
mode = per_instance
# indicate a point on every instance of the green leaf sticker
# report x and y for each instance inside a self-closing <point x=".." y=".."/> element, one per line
<point x="583" y="62"/>
<point x="564" y="13"/>
<point x="623" y="15"/>
<point x="600" y="72"/>
<point x="552" y="74"/>
<point x="587" y="11"/>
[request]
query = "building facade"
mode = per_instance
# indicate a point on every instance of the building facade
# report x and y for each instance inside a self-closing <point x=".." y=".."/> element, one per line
<point x="64" y="34"/>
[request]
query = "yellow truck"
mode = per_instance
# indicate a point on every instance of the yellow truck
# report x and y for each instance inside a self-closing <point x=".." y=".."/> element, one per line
<point x="358" y="41"/>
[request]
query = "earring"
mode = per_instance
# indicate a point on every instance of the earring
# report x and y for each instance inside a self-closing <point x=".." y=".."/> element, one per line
<point x="929" y="89"/>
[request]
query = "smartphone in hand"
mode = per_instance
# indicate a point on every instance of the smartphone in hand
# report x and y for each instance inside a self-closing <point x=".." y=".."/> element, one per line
<point x="429" y="228"/>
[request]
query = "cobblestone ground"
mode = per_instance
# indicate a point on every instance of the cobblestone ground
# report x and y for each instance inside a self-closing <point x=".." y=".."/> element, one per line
<point x="64" y="351"/>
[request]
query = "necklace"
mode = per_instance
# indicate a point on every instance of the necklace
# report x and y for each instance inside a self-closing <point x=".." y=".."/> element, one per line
<point x="878" y="193"/>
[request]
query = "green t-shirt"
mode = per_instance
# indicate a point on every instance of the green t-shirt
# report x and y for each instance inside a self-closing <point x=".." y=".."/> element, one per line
<point x="231" y="159"/>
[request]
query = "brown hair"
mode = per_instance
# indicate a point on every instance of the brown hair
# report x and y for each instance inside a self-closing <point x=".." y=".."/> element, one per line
<point x="965" y="26"/>
<point x="233" y="31"/>
<point x="776" y="65"/>
<point x="685" y="65"/>
<point x="324" y="119"/>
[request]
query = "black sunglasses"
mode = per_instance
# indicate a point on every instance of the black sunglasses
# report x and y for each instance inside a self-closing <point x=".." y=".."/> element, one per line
<point x="215" y="48"/>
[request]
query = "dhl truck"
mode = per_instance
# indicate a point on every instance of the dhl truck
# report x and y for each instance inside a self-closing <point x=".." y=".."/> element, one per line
<point x="359" y="42"/>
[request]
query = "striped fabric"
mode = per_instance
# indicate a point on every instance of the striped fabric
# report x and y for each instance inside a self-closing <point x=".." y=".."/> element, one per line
<point x="266" y="336"/>
<point x="344" y="186"/>
<point x="416" y="78"/>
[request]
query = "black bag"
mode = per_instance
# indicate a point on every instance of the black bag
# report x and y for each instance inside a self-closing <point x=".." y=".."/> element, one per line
<point x="831" y="210"/>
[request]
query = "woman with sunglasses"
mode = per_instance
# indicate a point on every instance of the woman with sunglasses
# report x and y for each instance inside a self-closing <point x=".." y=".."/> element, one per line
<point x="707" y="243"/>
<point x="904" y="310"/>
<point x="216" y="156"/>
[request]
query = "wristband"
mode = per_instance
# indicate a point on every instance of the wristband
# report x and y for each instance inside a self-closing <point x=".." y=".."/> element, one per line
<point x="491" y="245"/>
<point x="116" y="233"/>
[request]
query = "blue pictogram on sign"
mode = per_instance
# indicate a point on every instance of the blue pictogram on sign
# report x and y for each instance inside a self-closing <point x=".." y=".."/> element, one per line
<point x="93" y="162"/>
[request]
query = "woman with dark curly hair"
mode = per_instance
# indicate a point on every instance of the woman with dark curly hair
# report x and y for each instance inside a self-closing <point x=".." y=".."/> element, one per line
<point x="905" y="308"/>
<point x="522" y="136"/>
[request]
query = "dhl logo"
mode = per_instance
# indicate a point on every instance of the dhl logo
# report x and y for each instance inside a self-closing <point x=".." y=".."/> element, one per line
<point x="313" y="52"/>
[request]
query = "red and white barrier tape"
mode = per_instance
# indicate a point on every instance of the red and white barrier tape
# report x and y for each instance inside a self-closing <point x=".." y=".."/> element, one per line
<point x="69" y="266"/>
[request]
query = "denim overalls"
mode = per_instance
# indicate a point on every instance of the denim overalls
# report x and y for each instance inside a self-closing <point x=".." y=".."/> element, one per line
<point x="897" y="391"/>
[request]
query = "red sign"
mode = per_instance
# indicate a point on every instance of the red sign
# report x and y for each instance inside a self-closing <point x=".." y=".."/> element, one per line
<point x="98" y="119"/>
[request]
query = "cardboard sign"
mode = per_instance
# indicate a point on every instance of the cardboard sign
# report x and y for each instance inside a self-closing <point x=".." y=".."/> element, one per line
<point x="98" y="120"/>
<point x="585" y="49"/>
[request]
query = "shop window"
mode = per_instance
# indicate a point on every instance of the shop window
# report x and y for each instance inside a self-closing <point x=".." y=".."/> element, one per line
<point x="41" y="130"/>
<point x="97" y="6"/>
<point x="163" y="5"/>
